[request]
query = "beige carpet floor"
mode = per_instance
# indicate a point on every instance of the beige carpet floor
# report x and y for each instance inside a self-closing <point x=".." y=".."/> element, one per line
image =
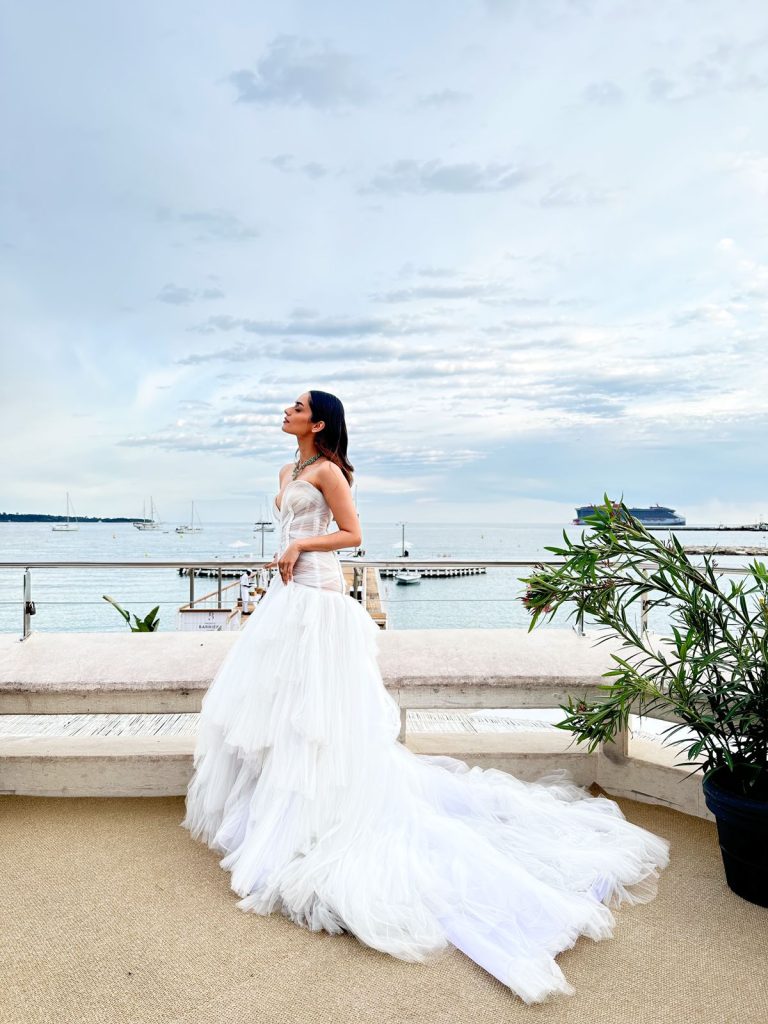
<point x="110" y="912"/>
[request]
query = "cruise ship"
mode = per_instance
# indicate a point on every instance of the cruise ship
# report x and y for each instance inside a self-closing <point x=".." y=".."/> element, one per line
<point x="656" y="515"/>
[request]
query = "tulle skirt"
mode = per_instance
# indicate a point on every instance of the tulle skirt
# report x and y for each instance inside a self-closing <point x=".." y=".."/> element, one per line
<point x="322" y="815"/>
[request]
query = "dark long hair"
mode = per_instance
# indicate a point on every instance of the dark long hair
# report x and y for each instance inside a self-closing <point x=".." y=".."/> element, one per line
<point x="331" y="441"/>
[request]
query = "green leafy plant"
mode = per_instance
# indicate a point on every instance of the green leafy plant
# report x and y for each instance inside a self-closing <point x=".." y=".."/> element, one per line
<point x="148" y="624"/>
<point x="712" y="673"/>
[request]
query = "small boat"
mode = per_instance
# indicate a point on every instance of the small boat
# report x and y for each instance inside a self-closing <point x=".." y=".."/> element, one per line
<point x="153" y="523"/>
<point x="191" y="527"/>
<point x="68" y="526"/>
<point x="408" y="576"/>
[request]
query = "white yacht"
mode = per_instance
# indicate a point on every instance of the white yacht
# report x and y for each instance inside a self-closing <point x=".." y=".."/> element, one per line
<point x="407" y="576"/>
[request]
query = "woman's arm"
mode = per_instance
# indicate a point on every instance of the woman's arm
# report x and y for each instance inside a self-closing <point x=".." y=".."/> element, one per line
<point x="328" y="541"/>
<point x="337" y="492"/>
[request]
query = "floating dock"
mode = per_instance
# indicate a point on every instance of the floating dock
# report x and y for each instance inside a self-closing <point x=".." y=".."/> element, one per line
<point x="226" y="574"/>
<point x="435" y="571"/>
<point x="715" y="549"/>
<point x="746" y="528"/>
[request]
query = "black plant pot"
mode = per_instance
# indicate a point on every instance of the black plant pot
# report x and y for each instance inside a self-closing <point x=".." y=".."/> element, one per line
<point x="742" y="829"/>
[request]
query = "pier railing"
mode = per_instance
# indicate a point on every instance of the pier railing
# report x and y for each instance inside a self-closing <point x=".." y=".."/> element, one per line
<point x="220" y="569"/>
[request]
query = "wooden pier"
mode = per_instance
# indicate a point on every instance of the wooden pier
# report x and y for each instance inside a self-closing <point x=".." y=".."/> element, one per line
<point x="224" y="610"/>
<point x="367" y="592"/>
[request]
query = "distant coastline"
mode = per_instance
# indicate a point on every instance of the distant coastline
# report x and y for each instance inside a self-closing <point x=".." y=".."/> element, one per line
<point x="31" y="517"/>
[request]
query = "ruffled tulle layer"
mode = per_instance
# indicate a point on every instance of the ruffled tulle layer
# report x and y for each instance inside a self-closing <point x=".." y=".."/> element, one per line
<point x="322" y="815"/>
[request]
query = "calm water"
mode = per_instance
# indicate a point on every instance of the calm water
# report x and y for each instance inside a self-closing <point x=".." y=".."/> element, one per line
<point x="72" y="599"/>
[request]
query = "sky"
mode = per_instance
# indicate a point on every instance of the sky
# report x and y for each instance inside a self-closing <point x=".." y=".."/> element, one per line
<point x="525" y="243"/>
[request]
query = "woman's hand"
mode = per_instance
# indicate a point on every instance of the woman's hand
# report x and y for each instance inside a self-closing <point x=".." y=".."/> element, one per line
<point x="287" y="560"/>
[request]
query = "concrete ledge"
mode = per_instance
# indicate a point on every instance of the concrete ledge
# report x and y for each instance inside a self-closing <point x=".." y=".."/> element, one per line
<point x="142" y="766"/>
<point x="81" y="673"/>
<point x="162" y="766"/>
<point x="95" y="765"/>
<point x="526" y="755"/>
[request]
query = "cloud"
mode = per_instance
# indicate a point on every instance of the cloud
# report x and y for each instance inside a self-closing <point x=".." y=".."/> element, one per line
<point x="295" y="72"/>
<point x="268" y="399"/>
<point x="372" y="484"/>
<point x="387" y="453"/>
<point x="435" y="272"/>
<point x="603" y="94"/>
<point x="412" y="177"/>
<point x="727" y="67"/>
<point x="246" y="419"/>
<point x="574" y="191"/>
<point x="752" y="168"/>
<point x="443" y="98"/>
<point x="409" y="270"/>
<point x="313" y="169"/>
<point x="430" y="369"/>
<point x="518" y="324"/>
<point x="184" y="442"/>
<point x="212" y="225"/>
<point x="495" y="293"/>
<point x="295" y="351"/>
<point x="610" y="393"/>
<point x="178" y="296"/>
<point x="545" y="12"/>
<point x="321" y="327"/>
<point x="194" y="404"/>
<point x="708" y="313"/>
<point x="286" y="163"/>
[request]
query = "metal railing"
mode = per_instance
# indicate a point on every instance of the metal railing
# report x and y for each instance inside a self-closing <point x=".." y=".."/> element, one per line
<point x="249" y="564"/>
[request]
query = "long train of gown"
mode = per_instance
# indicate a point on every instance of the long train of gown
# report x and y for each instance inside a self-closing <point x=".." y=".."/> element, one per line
<point x="324" y="816"/>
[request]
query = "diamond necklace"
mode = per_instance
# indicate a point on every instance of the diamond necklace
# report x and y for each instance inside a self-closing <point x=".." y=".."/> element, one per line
<point x="299" y="466"/>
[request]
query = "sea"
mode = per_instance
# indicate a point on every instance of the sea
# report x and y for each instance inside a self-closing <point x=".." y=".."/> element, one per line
<point x="72" y="600"/>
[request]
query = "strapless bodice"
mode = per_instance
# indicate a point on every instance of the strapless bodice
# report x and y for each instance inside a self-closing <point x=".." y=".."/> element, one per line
<point x="305" y="513"/>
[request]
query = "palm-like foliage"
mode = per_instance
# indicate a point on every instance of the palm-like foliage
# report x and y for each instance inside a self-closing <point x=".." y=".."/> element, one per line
<point x="148" y="624"/>
<point x="712" y="673"/>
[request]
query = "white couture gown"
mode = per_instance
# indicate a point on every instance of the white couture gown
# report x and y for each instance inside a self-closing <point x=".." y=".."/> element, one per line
<point x="324" y="816"/>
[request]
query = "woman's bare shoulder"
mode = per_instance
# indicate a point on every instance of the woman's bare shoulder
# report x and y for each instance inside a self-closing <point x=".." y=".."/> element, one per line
<point x="329" y="472"/>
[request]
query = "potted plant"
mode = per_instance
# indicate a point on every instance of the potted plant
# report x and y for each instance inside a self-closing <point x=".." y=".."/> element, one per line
<point x="149" y="624"/>
<point x="712" y="673"/>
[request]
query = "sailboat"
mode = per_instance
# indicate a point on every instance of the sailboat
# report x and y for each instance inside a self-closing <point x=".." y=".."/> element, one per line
<point x="190" y="527"/>
<point x="265" y="524"/>
<point x="67" y="527"/>
<point x="153" y="523"/>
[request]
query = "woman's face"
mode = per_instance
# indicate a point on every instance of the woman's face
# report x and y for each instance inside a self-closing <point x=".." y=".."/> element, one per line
<point x="298" y="417"/>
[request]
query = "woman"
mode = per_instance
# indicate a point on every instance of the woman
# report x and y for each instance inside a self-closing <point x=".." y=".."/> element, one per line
<point x="324" y="816"/>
